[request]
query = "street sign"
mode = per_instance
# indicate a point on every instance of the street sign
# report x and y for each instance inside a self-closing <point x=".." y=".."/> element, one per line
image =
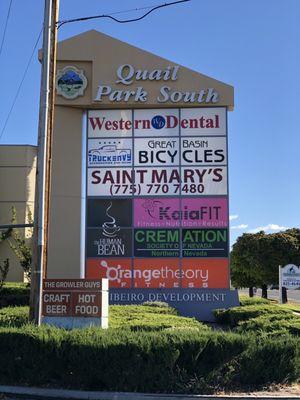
<point x="290" y="276"/>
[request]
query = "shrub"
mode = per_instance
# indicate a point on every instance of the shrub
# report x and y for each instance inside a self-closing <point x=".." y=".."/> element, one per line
<point x="122" y="360"/>
<point x="160" y="304"/>
<point x="14" y="316"/>
<point x="151" y="318"/>
<point x="134" y="318"/>
<point x="275" y="325"/>
<point x="14" y="294"/>
<point x="234" y="315"/>
<point x="270" y="361"/>
<point x="178" y="360"/>
<point x="249" y="301"/>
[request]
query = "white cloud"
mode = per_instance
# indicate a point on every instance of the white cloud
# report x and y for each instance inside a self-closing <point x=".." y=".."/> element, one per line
<point x="231" y="217"/>
<point x="269" y="227"/>
<point x="241" y="226"/>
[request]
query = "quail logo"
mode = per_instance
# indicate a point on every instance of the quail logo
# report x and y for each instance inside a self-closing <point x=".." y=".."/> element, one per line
<point x="70" y="82"/>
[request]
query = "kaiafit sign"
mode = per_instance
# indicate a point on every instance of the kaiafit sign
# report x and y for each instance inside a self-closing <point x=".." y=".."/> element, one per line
<point x="127" y="74"/>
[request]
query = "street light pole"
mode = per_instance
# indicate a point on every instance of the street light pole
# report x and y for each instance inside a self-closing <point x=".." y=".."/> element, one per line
<point x="42" y="194"/>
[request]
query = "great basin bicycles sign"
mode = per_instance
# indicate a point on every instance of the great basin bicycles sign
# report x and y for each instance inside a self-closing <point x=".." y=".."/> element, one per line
<point x="157" y="202"/>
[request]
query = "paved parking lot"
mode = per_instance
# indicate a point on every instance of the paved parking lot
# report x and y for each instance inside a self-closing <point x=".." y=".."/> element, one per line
<point x="293" y="295"/>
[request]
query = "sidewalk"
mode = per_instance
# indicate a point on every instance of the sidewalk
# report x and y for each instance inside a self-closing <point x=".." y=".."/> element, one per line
<point x="37" y="393"/>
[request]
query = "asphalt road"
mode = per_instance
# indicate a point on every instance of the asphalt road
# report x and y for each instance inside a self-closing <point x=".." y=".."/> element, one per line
<point x="292" y="295"/>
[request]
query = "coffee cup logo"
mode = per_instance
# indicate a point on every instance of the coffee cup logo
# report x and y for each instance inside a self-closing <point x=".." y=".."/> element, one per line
<point x="110" y="228"/>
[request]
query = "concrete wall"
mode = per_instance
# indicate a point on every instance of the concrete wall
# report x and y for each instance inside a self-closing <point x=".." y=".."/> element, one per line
<point x="17" y="189"/>
<point x="64" y="225"/>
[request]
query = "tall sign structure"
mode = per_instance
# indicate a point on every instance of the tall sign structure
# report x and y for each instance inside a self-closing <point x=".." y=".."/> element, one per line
<point x="140" y="180"/>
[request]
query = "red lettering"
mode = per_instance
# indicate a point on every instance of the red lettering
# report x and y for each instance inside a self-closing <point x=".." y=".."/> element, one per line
<point x="95" y="122"/>
<point x="108" y="125"/>
<point x="127" y="125"/>
<point x="184" y="123"/>
<point x="172" y="121"/>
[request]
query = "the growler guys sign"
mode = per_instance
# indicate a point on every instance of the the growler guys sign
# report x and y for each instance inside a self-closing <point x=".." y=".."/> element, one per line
<point x="154" y="215"/>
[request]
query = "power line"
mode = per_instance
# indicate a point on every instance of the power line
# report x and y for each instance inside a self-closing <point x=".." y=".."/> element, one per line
<point x="120" y="21"/>
<point x="5" y="26"/>
<point x="60" y="23"/>
<point x="21" y="83"/>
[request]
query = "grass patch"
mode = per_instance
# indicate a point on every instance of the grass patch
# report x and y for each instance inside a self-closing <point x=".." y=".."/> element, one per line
<point x="291" y="307"/>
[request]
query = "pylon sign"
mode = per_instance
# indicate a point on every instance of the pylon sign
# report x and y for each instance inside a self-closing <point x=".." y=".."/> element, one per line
<point x="140" y="182"/>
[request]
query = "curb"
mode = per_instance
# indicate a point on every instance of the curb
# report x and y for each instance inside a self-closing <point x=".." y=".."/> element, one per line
<point x="38" y="393"/>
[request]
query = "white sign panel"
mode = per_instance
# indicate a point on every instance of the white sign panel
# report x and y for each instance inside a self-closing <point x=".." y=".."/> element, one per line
<point x="203" y="151"/>
<point x="158" y="181"/>
<point x="156" y="151"/>
<point x="291" y="276"/>
<point x="109" y="123"/>
<point x="110" y="152"/>
<point x="203" y="181"/>
<point x="203" y="121"/>
<point x="110" y="182"/>
<point x="157" y="122"/>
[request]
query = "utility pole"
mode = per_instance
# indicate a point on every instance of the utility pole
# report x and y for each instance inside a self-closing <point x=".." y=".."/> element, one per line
<point x="43" y="175"/>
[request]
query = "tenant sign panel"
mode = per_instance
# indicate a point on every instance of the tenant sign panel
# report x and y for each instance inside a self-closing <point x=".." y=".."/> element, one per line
<point x="157" y="198"/>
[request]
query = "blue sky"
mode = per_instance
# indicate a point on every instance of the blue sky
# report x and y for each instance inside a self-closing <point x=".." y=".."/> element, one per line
<point x="253" y="45"/>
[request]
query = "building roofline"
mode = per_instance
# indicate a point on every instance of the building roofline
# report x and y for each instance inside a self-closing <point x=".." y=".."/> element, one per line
<point x="18" y="145"/>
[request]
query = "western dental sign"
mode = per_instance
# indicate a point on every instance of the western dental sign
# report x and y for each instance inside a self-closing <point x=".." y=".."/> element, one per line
<point x="128" y="75"/>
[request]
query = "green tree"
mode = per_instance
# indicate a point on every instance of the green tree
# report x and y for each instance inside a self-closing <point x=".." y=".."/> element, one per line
<point x="19" y="245"/>
<point x="255" y="257"/>
<point x="4" y="264"/>
<point x="245" y="269"/>
<point x="4" y="268"/>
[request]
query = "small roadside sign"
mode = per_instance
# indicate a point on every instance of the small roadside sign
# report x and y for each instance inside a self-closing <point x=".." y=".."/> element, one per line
<point x="71" y="303"/>
<point x="290" y="276"/>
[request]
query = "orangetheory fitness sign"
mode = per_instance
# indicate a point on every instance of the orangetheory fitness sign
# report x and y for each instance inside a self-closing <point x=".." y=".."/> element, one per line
<point x="126" y="74"/>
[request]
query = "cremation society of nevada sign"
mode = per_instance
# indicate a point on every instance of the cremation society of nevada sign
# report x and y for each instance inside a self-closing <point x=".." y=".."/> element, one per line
<point x="157" y="206"/>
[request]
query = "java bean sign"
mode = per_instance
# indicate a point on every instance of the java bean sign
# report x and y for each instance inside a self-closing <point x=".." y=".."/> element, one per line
<point x="157" y="203"/>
